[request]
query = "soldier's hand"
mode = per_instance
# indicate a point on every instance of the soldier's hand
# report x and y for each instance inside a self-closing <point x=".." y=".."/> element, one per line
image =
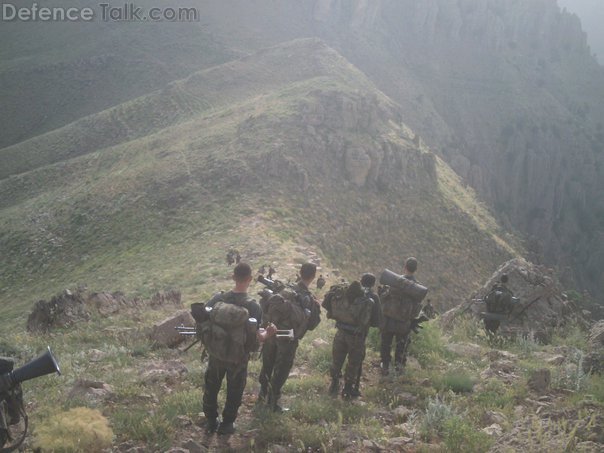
<point x="271" y="330"/>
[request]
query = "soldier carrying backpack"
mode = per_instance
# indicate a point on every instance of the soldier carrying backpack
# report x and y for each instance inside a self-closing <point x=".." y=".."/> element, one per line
<point x="288" y="308"/>
<point x="401" y="305"/>
<point x="228" y="328"/>
<point x="355" y="308"/>
<point x="500" y="303"/>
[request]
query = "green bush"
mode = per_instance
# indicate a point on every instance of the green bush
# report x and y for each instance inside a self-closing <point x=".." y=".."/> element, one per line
<point x="458" y="381"/>
<point x="460" y="436"/>
<point x="428" y="346"/>
<point x="572" y="334"/>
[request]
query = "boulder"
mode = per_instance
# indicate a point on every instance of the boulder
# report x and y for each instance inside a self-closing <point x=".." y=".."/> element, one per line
<point x="165" y="334"/>
<point x="85" y="389"/>
<point x="493" y="417"/>
<point x="62" y="310"/>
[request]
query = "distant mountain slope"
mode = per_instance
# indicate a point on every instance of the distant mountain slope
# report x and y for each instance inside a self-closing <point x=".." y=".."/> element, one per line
<point x="52" y="73"/>
<point x="320" y="157"/>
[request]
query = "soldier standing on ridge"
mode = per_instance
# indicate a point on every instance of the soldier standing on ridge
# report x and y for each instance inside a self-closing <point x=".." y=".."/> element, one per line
<point x="398" y="329"/>
<point x="278" y="353"/>
<point x="360" y="310"/>
<point x="236" y="373"/>
<point x="498" y="302"/>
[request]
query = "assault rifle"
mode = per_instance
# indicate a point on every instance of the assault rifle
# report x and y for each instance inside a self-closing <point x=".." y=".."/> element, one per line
<point x="416" y="323"/>
<point x="189" y="332"/>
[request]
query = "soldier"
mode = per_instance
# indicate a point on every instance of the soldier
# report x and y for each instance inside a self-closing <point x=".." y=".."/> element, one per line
<point x="262" y="269"/>
<point x="230" y="258"/>
<point x="278" y="353"/>
<point x="398" y="329"/>
<point x="320" y="282"/>
<point x="237" y="258"/>
<point x="499" y="302"/>
<point x="429" y="310"/>
<point x="236" y="373"/>
<point x="358" y="312"/>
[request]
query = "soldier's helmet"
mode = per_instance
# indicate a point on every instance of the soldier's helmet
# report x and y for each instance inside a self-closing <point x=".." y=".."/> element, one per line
<point x="367" y="280"/>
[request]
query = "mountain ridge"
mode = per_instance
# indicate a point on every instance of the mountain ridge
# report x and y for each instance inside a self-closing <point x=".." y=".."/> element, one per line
<point x="321" y="161"/>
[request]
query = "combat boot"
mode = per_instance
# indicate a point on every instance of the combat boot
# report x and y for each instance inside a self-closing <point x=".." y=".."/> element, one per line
<point x="334" y="387"/>
<point x="347" y="392"/>
<point x="212" y="425"/>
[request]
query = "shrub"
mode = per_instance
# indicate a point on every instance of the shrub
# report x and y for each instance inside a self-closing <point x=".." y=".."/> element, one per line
<point x="438" y="411"/>
<point x="428" y="346"/>
<point x="571" y="376"/>
<point x="461" y="436"/>
<point x="78" y="429"/>
<point x="458" y="381"/>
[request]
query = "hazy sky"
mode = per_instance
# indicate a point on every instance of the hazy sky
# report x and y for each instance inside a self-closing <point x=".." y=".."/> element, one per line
<point x="591" y="13"/>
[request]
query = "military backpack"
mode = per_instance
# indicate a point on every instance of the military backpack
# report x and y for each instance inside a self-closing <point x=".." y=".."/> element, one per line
<point x="499" y="300"/>
<point x="284" y="309"/>
<point x="226" y="330"/>
<point x="350" y="304"/>
<point x="398" y="305"/>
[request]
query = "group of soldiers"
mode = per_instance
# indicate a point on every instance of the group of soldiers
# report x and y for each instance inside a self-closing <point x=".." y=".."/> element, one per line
<point x="280" y="340"/>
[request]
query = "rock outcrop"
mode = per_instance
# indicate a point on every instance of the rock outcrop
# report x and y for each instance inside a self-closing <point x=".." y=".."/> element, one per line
<point x="70" y="307"/>
<point x="543" y="306"/>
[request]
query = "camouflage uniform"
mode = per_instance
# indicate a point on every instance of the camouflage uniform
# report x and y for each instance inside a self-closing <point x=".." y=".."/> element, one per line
<point x="236" y="375"/>
<point x="278" y="354"/>
<point x="350" y="341"/>
<point x="492" y="325"/>
<point x="400" y="330"/>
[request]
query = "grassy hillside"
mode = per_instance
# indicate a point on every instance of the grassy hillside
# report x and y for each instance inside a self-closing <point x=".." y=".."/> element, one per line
<point x="319" y="157"/>
<point x="443" y="401"/>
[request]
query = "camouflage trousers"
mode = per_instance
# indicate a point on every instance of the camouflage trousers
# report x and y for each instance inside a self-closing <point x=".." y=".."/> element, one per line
<point x="236" y="379"/>
<point x="278" y="356"/>
<point x="400" y="350"/>
<point x="351" y="345"/>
